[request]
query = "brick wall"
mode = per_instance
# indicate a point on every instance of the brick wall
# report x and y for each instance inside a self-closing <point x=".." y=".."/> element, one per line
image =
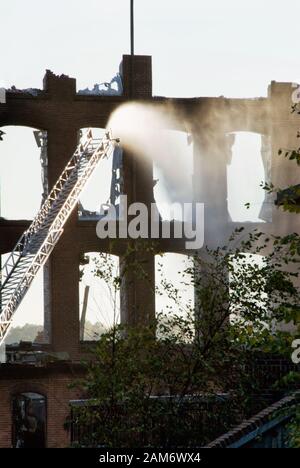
<point x="52" y="382"/>
<point x="61" y="112"/>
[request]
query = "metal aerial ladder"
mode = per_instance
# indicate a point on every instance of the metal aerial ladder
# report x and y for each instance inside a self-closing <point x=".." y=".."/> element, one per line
<point x="36" y="244"/>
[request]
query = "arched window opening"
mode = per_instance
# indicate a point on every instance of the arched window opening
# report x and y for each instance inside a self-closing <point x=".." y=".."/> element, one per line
<point x="174" y="289"/>
<point x="29" y="420"/>
<point x="245" y="175"/>
<point x="99" y="294"/>
<point x="105" y="185"/>
<point x="23" y="172"/>
<point x="28" y="320"/>
<point x="247" y="288"/>
<point x="173" y="174"/>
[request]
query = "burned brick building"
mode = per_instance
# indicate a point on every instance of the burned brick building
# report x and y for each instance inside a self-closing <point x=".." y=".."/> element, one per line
<point x="61" y="112"/>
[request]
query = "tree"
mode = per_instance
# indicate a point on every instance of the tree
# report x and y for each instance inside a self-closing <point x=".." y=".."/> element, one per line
<point x="151" y="385"/>
<point x="288" y="197"/>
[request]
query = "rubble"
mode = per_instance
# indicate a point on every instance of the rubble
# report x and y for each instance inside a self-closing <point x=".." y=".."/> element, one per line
<point x="114" y="88"/>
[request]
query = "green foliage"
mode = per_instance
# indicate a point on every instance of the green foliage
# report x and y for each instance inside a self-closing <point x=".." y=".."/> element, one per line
<point x="192" y="352"/>
<point x="294" y="428"/>
<point x="288" y="198"/>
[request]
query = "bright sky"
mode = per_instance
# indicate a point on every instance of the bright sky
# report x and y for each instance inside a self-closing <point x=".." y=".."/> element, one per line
<point x="199" y="48"/>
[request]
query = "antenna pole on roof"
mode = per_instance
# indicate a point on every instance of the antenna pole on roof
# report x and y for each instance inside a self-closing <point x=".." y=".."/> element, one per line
<point x="132" y="27"/>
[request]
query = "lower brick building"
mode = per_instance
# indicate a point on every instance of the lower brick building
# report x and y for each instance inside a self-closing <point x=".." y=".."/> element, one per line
<point x="42" y="392"/>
